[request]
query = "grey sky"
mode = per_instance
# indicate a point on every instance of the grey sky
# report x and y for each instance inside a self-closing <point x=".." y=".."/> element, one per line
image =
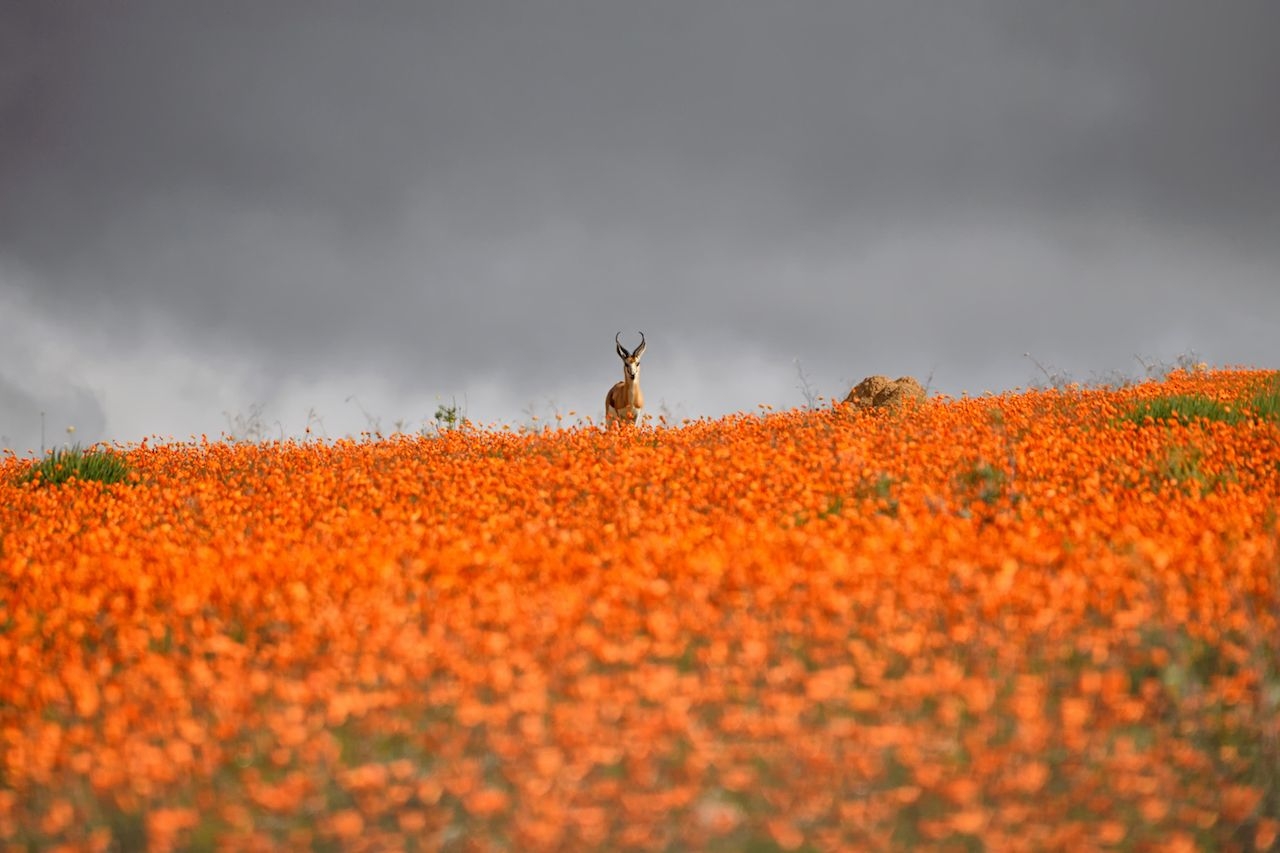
<point x="363" y="210"/>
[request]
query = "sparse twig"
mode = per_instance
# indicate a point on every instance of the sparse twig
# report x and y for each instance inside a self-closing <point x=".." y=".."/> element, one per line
<point x="250" y="427"/>
<point x="373" y="423"/>
<point x="1056" y="378"/>
<point x="314" y="418"/>
<point x="804" y="385"/>
<point x="1188" y="361"/>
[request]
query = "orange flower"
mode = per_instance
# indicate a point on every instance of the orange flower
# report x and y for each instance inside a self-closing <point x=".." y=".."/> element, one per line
<point x="58" y="817"/>
<point x="1267" y="833"/>
<point x="969" y="822"/>
<point x="1239" y="802"/>
<point x="786" y="834"/>
<point x="346" y="824"/>
<point x="1076" y="712"/>
<point x="1111" y="832"/>
<point x="486" y="802"/>
<point x="655" y="637"/>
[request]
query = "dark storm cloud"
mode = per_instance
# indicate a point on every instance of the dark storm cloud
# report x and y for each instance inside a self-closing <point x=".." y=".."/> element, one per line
<point x="458" y="194"/>
<point x="1196" y="140"/>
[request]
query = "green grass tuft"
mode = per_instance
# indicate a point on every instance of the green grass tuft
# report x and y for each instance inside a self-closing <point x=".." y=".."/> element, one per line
<point x="1185" y="408"/>
<point x="983" y="481"/>
<point x="1262" y="404"/>
<point x="1265" y="402"/>
<point x="1181" y="465"/>
<point x="60" y="466"/>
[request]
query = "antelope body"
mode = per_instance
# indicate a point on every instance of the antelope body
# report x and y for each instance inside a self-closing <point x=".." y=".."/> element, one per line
<point x="625" y="399"/>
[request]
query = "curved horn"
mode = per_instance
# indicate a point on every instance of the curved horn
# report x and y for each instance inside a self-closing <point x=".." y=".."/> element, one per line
<point x="640" y="348"/>
<point x="622" y="351"/>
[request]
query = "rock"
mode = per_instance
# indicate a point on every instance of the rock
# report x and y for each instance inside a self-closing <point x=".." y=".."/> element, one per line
<point x="881" y="391"/>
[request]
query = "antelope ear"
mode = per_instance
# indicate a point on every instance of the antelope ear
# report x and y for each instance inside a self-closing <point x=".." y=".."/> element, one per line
<point x="643" y="344"/>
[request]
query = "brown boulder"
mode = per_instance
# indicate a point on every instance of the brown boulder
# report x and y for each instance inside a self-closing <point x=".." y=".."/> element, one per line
<point x="881" y="391"/>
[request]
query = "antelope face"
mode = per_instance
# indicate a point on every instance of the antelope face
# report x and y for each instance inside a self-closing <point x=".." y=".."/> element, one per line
<point x="630" y="360"/>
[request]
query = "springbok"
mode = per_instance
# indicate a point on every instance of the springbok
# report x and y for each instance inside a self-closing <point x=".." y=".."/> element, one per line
<point x="625" y="399"/>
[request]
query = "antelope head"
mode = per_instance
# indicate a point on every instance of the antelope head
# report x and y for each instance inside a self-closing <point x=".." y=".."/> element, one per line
<point x="630" y="360"/>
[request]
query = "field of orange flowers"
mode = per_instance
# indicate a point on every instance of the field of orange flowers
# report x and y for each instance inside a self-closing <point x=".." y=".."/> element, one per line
<point x="1016" y="622"/>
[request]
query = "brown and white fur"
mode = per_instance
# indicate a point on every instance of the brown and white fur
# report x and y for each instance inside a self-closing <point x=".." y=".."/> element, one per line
<point x="625" y="399"/>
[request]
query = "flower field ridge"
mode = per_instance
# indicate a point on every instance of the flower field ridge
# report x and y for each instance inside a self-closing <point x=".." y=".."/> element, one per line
<point x="1043" y="620"/>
